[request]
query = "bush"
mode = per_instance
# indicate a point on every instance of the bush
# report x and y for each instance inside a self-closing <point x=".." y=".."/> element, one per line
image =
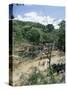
<point x="38" y="77"/>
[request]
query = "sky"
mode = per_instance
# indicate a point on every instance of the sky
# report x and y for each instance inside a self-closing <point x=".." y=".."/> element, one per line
<point x="39" y="13"/>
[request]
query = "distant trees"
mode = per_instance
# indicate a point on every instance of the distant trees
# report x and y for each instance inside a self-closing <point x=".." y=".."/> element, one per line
<point x="39" y="34"/>
<point x="49" y="27"/>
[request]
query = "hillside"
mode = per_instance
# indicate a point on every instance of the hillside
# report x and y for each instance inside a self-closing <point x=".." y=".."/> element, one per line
<point x="37" y="53"/>
<point x="22" y="29"/>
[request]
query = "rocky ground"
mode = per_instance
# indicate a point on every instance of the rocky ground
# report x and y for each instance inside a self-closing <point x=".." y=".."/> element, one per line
<point x="22" y="68"/>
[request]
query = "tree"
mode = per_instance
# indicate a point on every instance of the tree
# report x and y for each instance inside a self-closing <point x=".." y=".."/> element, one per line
<point x="33" y="36"/>
<point x="49" y="27"/>
<point x="61" y="35"/>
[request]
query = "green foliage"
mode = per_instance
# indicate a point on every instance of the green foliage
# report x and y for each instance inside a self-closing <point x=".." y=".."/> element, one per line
<point x="33" y="36"/>
<point x="51" y="76"/>
<point x="38" y="77"/>
<point x="36" y="33"/>
<point x="49" y="27"/>
<point x="61" y="36"/>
